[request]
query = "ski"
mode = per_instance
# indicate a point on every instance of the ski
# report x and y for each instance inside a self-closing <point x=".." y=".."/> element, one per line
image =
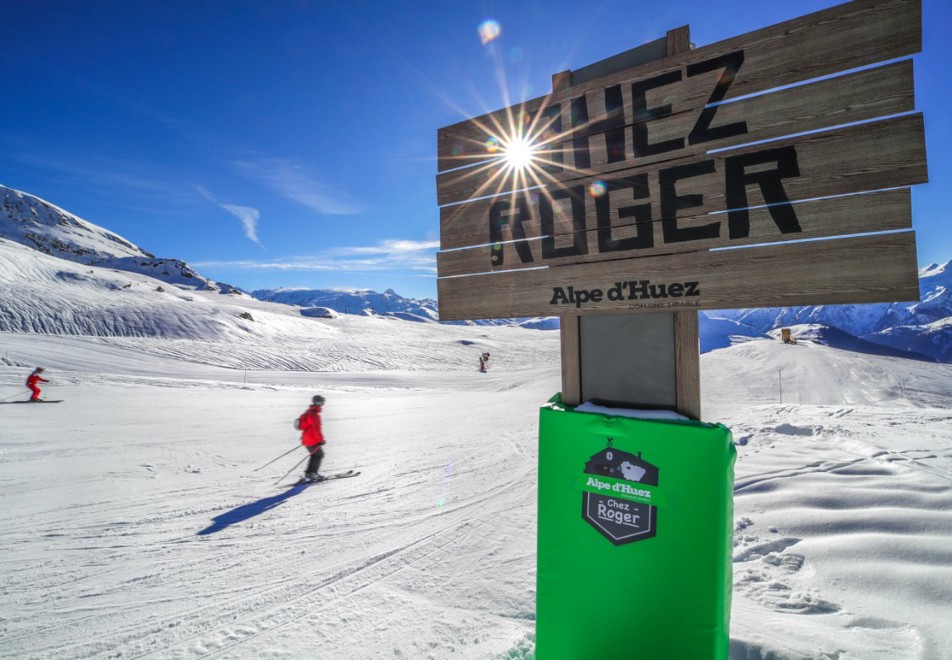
<point x="327" y="477"/>
<point x="37" y="401"/>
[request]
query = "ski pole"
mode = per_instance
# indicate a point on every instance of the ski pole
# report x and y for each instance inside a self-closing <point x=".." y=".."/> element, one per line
<point x="296" y="465"/>
<point x="13" y="395"/>
<point x="294" y="448"/>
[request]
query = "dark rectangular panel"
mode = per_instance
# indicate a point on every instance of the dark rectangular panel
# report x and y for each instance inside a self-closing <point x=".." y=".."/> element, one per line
<point x="629" y="359"/>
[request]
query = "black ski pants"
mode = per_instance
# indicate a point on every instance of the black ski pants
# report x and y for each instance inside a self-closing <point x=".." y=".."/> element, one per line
<point x="314" y="463"/>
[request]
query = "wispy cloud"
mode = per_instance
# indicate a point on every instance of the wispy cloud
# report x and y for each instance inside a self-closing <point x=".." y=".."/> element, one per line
<point x="392" y="248"/>
<point x="292" y="180"/>
<point x="247" y="215"/>
<point x="387" y="255"/>
<point x="249" y="219"/>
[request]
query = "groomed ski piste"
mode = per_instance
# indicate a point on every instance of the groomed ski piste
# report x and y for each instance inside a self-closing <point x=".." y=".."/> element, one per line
<point x="135" y="525"/>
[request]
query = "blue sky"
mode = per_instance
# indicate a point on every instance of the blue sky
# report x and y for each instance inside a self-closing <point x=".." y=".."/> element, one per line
<point x="293" y="142"/>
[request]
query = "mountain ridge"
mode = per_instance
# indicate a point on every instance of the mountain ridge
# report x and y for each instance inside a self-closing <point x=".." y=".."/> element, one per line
<point x="47" y="228"/>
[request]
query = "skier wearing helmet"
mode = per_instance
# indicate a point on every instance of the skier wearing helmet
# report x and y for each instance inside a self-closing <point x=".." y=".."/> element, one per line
<point x="311" y="437"/>
<point x="31" y="383"/>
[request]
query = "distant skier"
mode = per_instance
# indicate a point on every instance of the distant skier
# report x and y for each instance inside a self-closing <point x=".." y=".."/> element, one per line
<point x="483" y="359"/>
<point x="31" y="383"/>
<point x="311" y="437"/>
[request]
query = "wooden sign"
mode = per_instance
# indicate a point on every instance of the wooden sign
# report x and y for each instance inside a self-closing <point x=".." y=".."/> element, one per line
<point x="635" y="177"/>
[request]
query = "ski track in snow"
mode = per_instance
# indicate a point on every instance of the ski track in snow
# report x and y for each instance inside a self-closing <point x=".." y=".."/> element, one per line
<point x="136" y="526"/>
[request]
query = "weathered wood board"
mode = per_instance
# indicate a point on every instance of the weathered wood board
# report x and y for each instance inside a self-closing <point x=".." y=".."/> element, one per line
<point x="849" y="214"/>
<point x="838" y="271"/>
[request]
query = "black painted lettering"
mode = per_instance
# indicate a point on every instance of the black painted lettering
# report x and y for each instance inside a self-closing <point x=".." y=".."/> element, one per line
<point x="644" y="235"/>
<point x="702" y="131"/>
<point x="671" y="203"/>
<point x="576" y="197"/>
<point x="502" y="214"/>
<point x="692" y="289"/>
<point x="771" y="186"/>
<point x="641" y="114"/>
<point x="615" y="124"/>
<point x="548" y="154"/>
<point x="558" y="296"/>
<point x="658" y="291"/>
<point x="582" y="156"/>
<point x="638" y="289"/>
<point x="676" y="290"/>
<point x="615" y="293"/>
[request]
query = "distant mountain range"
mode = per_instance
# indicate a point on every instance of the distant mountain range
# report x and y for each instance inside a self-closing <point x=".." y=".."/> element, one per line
<point x="920" y="330"/>
<point x="388" y="303"/>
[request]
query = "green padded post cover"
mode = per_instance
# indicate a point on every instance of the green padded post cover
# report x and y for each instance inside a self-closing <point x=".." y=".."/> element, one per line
<point x="635" y="537"/>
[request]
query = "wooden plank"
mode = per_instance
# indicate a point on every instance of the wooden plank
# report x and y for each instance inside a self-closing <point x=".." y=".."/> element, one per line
<point x="864" y="269"/>
<point x="847" y="36"/>
<point x="886" y="210"/>
<point x="687" y="363"/>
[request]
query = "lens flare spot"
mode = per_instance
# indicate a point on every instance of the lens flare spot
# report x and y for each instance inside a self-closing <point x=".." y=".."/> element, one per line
<point x="489" y="30"/>
<point x="597" y="188"/>
<point x="492" y="145"/>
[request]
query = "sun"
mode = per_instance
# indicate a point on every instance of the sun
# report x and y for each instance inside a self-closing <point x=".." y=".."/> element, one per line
<point x="519" y="153"/>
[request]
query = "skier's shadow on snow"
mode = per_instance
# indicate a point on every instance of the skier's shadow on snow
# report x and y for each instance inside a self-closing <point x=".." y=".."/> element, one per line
<point x="250" y="510"/>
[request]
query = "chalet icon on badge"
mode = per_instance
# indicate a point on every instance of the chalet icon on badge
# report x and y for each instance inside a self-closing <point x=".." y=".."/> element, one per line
<point x="621" y="519"/>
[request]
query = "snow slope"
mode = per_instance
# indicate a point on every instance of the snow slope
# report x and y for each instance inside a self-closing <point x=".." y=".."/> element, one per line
<point x="45" y="295"/>
<point x="140" y="518"/>
<point x="135" y="523"/>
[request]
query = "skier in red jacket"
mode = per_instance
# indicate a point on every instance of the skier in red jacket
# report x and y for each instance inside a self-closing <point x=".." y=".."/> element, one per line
<point x="31" y="383"/>
<point x="311" y="437"/>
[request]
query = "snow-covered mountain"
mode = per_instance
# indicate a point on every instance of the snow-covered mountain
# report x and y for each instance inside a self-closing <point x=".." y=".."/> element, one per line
<point x="34" y="222"/>
<point x="362" y="301"/>
<point x="923" y="327"/>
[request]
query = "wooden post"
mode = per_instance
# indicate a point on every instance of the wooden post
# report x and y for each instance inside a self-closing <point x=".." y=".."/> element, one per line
<point x="561" y="80"/>
<point x="686" y="337"/>
<point x="571" y="360"/>
<point x="679" y="40"/>
<point x="687" y="370"/>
